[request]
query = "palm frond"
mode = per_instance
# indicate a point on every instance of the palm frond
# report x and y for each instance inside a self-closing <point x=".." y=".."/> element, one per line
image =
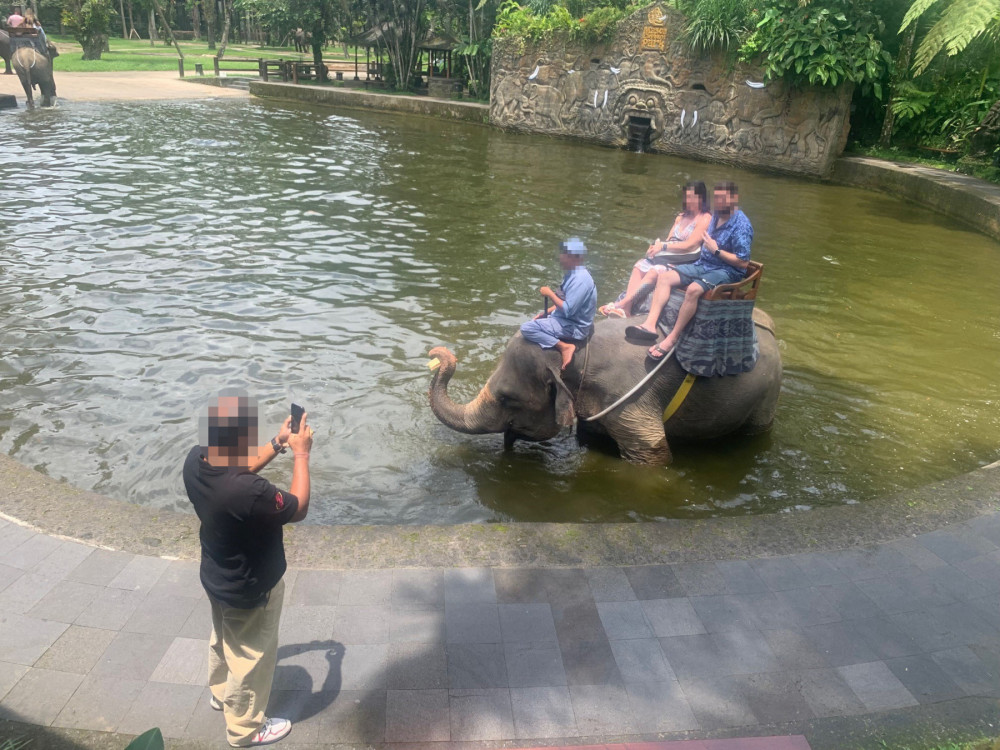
<point x="916" y="10"/>
<point x="961" y="22"/>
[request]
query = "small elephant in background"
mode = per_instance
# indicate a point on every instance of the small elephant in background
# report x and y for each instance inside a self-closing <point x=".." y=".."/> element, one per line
<point x="35" y="69"/>
<point x="5" y="52"/>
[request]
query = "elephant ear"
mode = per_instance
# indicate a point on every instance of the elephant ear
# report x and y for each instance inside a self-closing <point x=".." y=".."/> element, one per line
<point x="565" y="413"/>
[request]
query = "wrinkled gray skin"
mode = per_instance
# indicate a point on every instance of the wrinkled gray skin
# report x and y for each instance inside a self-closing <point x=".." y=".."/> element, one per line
<point x="35" y="69"/>
<point x="5" y="52"/>
<point x="528" y="398"/>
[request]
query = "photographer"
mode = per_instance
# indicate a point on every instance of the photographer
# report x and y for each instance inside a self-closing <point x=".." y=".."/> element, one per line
<point x="243" y="556"/>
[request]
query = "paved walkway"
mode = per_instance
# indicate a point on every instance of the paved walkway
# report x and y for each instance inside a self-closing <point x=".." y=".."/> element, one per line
<point x="116" y="642"/>
<point x="123" y="86"/>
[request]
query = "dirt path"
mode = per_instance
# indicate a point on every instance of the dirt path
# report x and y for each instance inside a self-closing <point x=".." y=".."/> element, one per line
<point x="124" y="86"/>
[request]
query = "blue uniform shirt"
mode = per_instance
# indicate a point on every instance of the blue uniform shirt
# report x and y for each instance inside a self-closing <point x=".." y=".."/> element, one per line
<point x="733" y="237"/>
<point x="580" y="304"/>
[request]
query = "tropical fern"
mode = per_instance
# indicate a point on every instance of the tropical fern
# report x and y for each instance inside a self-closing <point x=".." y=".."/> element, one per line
<point x="960" y="23"/>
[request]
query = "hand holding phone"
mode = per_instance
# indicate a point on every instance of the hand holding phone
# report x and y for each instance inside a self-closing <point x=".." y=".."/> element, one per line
<point x="297" y="412"/>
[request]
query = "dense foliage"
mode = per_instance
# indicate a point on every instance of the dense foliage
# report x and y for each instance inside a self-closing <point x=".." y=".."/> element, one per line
<point x="90" y="22"/>
<point x="578" y="19"/>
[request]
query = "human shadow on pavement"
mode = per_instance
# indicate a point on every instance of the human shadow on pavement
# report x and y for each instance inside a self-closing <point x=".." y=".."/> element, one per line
<point x="307" y="679"/>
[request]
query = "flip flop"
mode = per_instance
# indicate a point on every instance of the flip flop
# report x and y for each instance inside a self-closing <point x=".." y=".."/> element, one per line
<point x="662" y="353"/>
<point x="611" y="310"/>
<point x="637" y="333"/>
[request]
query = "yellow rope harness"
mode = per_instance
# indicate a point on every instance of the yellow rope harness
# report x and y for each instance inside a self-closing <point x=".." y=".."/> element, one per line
<point x="678" y="399"/>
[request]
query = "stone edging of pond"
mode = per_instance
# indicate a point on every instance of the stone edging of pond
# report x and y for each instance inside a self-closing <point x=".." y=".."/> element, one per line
<point x="358" y="99"/>
<point x="973" y="201"/>
<point x="59" y="509"/>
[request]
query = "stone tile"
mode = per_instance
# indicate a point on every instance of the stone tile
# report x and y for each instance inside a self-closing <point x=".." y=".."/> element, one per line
<point x="719" y="613"/>
<point x="99" y="704"/>
<point x="654" y="582"/>
<point x="132" y="656"/>
<point x="770" y="612"/>
<point x="669" y="617"/>
<point x="986" y="526"/>
<point x="827" y="693"/>
<point x="876" y="686"/>
<point x="794" y="650"/>
<point x="740" y="577"/>
<point x="365" y="667"/>
<point x="564" y="586"/>
<point x="26" y="555"/>
<point x="181" y="578"/>
<point x="610" y="585"/>
<point x="13" y="535"/>
<point x="925" y="680"/>
<point x="660" y="707"/>
<point x="916" y="554"/>
<point x="718" y="703"/>
<point x="957" y="584"/>
<point x="520" y="585"/>
<point x="303" y="624"/>
<point x="849" y="602"/>
<point x="39" y="696"/>
<point x="476" y="665"/>
<point x="77" y="650"/>
<point x="534" y="665"/>
<point x="417" y="666"/>
<point x="541" y="712"/>
<point x="818" y="569"/>
<point x="988" y="610"/>
<point x="315" y="588"/>
<point x="110" y="609"/>
<point x="162" y="705"/>
<point x="602" y="709"/>
<point x="163" y="615"/>
<point x="417" y="626"/>
<point x="521" y="623"/>
<point x="208" y="726"/>
<point x="973" y="675"/>
<point x="354" y="717"/>
<point x="66" y="558"/>
<point x="417" y="716"/>
<point x="856" y="564"/>
<point x="472" y="623"/>
<point x="955" y="544"/>
<point x="9" y="675"/>
<point x="25" y="592"/>
<point x="840" y="644"/>
<point x="904" y="593"/>
<point x="365" y="587"/>
<point x="185" y="663"/>
<point x="469" y="586"/>
<point x="140" y="574"/>
<point x="481" y="715"/>
<point x="940" y="628"/>
<point x="199" y="622"/>
<point x="590" y="663"/>
<point x="8" y="575"/>
<point x="360" y="625"/>
<point x="984" y="570"/>
<point x="624" y="620"/>
<point x="719" y="654"/>
<point x="701" y="579"/>
<point x="885" y="638"/>
<point x="578" y="622"/>
<point x="780" y="573"/>
<point x="24" y="639"/>
<point x="417" y="589"/>
<point x="809" y="606"/>
<point x="891" y="558"/>
<point x="642" y="660"/>
<point x="774" y="698"/>
<point x="100" y="567"/>
<point x="65" y="602"/>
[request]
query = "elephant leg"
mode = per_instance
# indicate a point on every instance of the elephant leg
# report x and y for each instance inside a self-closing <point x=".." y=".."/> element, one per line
<point x="8" y="71"/>
<point x="640" y="436"/>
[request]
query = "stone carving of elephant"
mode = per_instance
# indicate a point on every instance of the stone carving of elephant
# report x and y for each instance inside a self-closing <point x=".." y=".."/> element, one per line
<point x="5" y="52"/>
<point x="35" y="69"/>
<point x="527" y="397"/>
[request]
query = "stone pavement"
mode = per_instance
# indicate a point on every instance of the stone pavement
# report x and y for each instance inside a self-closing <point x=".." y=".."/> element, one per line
<point x="146" y="85"/>
<point x="115" y="642"/>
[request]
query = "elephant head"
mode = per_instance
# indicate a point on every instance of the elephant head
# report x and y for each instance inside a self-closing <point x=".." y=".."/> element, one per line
<point x="525" y="397"/>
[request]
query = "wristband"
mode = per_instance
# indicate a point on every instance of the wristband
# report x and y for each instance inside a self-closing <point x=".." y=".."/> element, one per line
<point x="300" y="455"/>
<point x="277" y="447"/>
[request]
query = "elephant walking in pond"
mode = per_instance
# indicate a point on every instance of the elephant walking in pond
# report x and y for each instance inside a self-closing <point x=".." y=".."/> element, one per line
<point x="528" y="398"/>
<point x="35" y="69"/>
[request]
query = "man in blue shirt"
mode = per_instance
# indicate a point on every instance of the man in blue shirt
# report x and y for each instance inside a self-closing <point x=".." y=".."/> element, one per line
<point x="724" y="255"/>
<point x="573" y="318"/>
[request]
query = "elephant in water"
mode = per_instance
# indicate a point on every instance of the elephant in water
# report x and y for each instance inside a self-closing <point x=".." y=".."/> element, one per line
<point x="527" y="397"/>
<point x="35" y="69"/>
<point x="5" y="52"/>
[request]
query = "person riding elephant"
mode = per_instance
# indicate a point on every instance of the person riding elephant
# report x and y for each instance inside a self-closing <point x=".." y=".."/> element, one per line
<point x="527" y="397"/>
<point x="35" y="69"/>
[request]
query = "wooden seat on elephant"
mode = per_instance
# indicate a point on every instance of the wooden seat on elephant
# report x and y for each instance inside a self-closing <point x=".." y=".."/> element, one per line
<point x="745" y="289"/>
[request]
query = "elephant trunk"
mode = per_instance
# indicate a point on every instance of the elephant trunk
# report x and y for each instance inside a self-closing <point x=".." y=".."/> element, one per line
<point x="479" y="416"/>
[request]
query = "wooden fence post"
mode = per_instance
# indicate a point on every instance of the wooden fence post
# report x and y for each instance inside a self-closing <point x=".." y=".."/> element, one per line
<point x="180" y="66"/>
<point x="215" y="62"/>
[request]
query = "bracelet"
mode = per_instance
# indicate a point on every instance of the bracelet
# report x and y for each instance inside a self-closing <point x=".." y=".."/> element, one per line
<point x="299" y="455"/>
<point x="277" y="447"/>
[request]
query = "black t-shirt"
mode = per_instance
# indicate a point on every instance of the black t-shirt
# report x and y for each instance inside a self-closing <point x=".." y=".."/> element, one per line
<point x="242" y="554"/>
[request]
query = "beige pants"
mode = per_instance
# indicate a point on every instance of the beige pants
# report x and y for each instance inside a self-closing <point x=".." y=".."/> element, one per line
<point x="241" y="658"/>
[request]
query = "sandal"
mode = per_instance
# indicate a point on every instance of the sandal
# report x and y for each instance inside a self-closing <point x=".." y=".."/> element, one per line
<point x="611" y="310"/>
<point x="662" y="352"/>
<point x="638" y="333"/>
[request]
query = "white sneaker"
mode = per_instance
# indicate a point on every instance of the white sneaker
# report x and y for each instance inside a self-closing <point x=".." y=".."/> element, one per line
<point x="274" y="730"/>
<point x="214" y="703"/>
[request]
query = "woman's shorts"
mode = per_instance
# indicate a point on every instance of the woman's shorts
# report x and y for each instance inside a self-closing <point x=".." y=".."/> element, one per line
<point x="646" y="265"/>
<point x="695" y="273"/>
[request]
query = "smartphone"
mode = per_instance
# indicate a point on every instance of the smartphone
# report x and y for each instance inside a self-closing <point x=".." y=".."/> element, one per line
<point x="297" y="412"/>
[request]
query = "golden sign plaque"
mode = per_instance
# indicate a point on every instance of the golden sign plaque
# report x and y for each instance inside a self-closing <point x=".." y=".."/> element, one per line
<point x="654" y="38"/>
<point x="656" y="16"/>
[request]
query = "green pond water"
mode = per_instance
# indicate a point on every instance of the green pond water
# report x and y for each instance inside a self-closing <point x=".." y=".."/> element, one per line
<point x="153" y="254"/>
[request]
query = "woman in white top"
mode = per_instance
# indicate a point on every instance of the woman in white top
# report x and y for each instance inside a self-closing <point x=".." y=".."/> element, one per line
<point x="683" y="239"/>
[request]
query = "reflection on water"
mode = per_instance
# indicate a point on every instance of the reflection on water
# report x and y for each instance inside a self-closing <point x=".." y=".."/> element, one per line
<point x="155" y="253"/>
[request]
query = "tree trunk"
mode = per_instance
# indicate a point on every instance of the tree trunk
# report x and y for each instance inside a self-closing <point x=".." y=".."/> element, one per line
<point x="902" y="73"/>
<point x="93" y="47"/>
<point x="210" y="18"/>
<point x="196" y="20"/>
<point x="227" y="11"/>
<point x="985" y="139"/>
<point x="166" y="26"/>
<point x="121" y="7"/>
<point x="131" y="22"/>
<point x="152" y="27"/>
<point x="318" y="58"/>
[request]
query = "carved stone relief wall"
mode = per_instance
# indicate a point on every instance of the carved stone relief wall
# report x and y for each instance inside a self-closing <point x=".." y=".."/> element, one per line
<point x="644" y="85"/>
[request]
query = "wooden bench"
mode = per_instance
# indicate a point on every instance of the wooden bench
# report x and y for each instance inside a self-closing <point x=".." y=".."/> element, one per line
<point x="745" y="289"/>
<point x="256" y="61"/>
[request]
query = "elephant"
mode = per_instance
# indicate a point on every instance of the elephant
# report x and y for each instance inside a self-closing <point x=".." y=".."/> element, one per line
<point x="35" y="69"/>
<point x="5" y="52"/>
<point x="302" y="40"/>
<point x="528" y="398"/>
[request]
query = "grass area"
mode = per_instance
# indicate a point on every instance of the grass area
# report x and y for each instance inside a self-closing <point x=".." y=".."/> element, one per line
<point x="985" y="743"/>
<point x="132" y="54"/>
<point x="981" y="168"/>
